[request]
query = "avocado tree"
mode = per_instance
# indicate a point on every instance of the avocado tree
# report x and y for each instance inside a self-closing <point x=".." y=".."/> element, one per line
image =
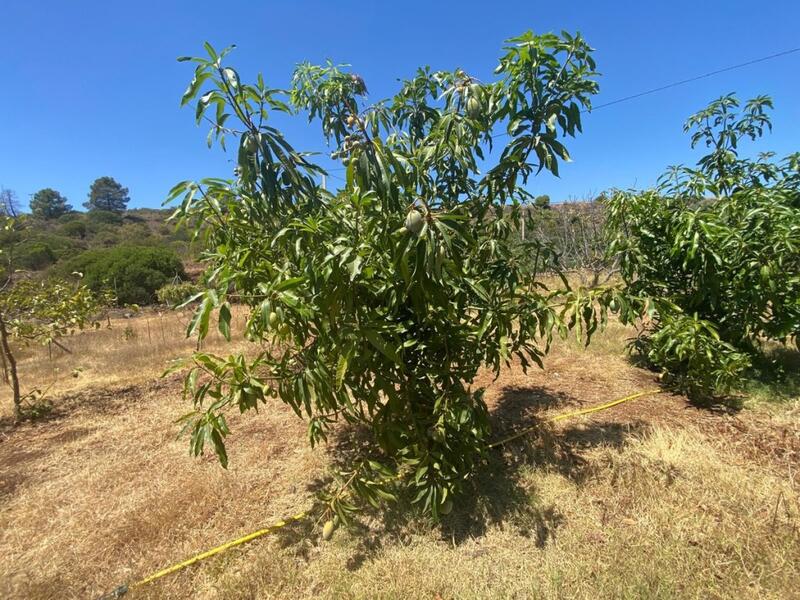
<point x="377" y="305"/>
<point x="37" y="312"/>
<point x="714" y="252"/>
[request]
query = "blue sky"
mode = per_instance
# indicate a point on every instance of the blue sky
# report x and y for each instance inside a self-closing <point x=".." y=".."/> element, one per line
<point x="93" y="88"/>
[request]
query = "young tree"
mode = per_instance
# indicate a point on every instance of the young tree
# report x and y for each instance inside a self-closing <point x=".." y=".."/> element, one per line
<point x="107" y="194"/>
<point x="714" y="251"/>
<point x="379" y="304"/>
<point x="49" y="204"/>
<point x="37" y="312"/>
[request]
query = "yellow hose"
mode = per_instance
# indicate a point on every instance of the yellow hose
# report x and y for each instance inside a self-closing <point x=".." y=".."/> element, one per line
<point x="577" y="413"/>
<point x="222" y="548"/>
<point x="122" y="590"/>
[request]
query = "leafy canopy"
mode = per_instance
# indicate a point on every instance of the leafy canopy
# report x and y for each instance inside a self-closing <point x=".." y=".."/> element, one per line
<point x="378" y="304"/>
<point x="715" y="251"/>
<point x="40" y="312"/>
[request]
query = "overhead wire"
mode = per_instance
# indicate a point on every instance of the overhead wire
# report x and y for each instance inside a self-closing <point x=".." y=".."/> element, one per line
<point x="668" y="86"/>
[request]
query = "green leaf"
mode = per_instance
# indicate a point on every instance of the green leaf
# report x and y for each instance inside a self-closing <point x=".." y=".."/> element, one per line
<point x="225" y="321"/>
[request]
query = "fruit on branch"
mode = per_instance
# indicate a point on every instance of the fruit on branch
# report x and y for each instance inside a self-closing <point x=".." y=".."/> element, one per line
<point x="414" y="221"/>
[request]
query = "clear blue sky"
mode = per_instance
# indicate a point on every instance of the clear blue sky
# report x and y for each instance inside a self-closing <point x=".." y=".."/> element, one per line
<point x="93" y="88"/>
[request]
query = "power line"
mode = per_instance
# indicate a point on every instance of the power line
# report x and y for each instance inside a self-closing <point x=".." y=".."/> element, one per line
<point x="668" y="86"/>
<point x="691" y="79"/>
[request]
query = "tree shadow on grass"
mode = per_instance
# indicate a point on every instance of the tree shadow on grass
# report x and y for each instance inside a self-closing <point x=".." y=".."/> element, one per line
<point x="775" y="374"/>
<point x="499" y="494"/>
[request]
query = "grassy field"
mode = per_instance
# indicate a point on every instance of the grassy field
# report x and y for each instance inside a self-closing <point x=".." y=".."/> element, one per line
<point x="654" y="498"/>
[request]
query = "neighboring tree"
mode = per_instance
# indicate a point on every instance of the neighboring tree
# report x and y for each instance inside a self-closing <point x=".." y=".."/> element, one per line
<point x="9" y="205"/>
<point x="714" y="252"/>
<point x="107" y="194"/>
<point x="542" y="201"/>
<point x="132" y="273"/>
<point x="379" y="304"/>
<point x="49" y="204"/>
<point x="36" y="312"/>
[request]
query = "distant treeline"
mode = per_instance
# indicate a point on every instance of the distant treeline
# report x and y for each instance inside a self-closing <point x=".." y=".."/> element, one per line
<point x="132" y="253"/>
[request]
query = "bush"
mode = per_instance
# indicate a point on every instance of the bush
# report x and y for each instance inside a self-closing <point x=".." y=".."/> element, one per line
<point x="61" y="246"/>
<point x="713" y="252"/>
<point x="69" y="217"/>
<point x="136" y="234"/>
<point x="74" y="229"/>
<point x="107" y="217"/>
<point x="34" y="256"/>
<point x="132" y="273"/>
<point x="174" y="294"/>
<point x="106" y="238"/>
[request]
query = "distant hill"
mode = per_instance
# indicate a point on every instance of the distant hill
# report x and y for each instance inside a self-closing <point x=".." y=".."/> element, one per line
<point x="131" y="254"/>
<point x="41" y="244"/>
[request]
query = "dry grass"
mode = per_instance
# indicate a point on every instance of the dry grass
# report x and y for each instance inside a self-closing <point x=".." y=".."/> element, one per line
<point x="654" y="498"/>
<point x="121" y="351"/>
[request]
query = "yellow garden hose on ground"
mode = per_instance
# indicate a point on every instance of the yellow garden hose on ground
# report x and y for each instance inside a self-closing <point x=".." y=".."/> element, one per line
<point x="577" y="413"/>
<point x="123" y="589"/>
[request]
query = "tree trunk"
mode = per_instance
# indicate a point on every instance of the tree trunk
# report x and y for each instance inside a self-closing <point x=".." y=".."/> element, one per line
<point x="12" y="369"/>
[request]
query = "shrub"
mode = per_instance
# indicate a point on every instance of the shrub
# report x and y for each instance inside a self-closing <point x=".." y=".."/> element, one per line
<point x="69" y="217"/>
<point x="106" y="217"/>
<point x="714" y="252"/>
<point x="136" y="234"/>
<point x="34" y="256"/>
<point x="74" y="228"/>
<point x="174" y="294"/>
<point x="61" y="246"/>
<point x="132" y="273"/>
<point x="105" y="238"/>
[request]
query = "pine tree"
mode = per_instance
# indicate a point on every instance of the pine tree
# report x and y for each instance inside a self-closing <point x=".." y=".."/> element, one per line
<point x="107" y="194"/>
<point x="49" y="204"/>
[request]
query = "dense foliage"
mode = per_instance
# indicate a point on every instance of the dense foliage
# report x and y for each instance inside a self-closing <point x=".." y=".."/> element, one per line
<point x="132" y="273"/>
<point x="379" y="304"/>
<point x="714" y="251"/>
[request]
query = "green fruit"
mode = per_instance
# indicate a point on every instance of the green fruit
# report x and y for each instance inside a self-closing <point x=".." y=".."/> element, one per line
<point x="613" y="305"/>
<point x="327" y="530"/>
<point x="446" y="508"/>
<point x="251" y="143"/>
<point x="414" y="221"/>
<point x="274" y="320"/>
<point x="474" y="108"/>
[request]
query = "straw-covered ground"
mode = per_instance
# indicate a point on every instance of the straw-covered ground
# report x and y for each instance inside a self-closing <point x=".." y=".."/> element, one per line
<point x="654" y="498"/>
